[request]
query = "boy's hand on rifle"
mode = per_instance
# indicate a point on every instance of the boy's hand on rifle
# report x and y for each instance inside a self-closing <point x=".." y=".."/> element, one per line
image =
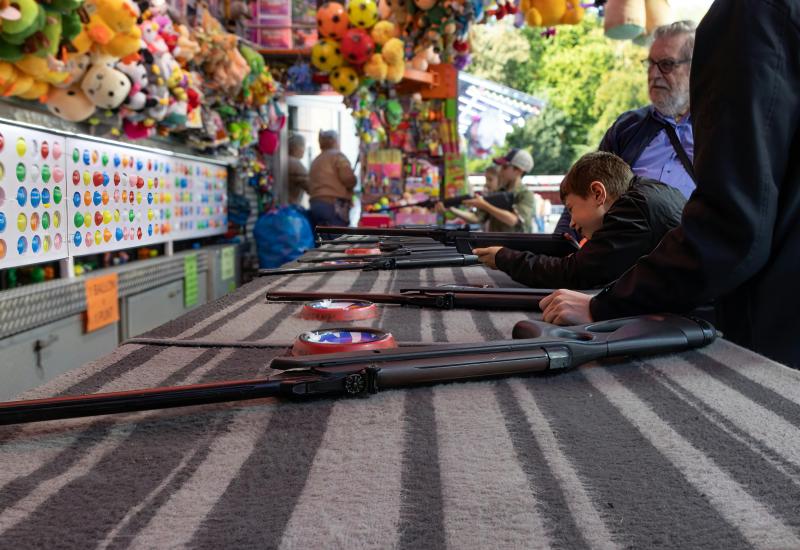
<point x="439" y="207"/>
<point x="478" y="202"/>
<point x="566" y="307"/>
<point x="486" y="255"/>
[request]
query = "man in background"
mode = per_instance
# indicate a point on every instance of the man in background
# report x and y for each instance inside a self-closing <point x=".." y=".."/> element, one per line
<point x="298" y="175"/>
<point x="331" y="183"/>
<point x="513" y="166"/>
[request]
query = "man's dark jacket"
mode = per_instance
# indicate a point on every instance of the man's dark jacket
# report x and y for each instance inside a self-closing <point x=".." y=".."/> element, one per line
<point x="739" y="239"/>
<point x="631" y="228"/>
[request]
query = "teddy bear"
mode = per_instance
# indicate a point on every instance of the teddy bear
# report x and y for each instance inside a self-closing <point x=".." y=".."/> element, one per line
<point x="70" y="104"/>
<point x="186" y="48"/>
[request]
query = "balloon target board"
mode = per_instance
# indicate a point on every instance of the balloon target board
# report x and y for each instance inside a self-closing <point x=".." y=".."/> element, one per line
<point x="33" y="212"/>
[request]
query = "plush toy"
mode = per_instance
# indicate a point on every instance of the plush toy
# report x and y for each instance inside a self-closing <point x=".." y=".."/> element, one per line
<point x="383" y="31"/>
<point x="112" y="25"/>
<point x="70" y="104"/>
<point x="239" y="11"/>
<point x="574" y="13"/>
<point x="344" y="80"/>
<point x="357" y="46"/>
<point x="425" y="5"/>
<point x="376" y="67"/>
<point x="394" y="73"/>
<point x="424" y="58"/>
<point x="362" y="13"/>
<point x="332" y="20"/>
<point x="545" y="13"/>
<point x="326" y="55"/>
<point x="186" y="48"/>
<point x="393" y="51"/>
<point x="105" y="86"/>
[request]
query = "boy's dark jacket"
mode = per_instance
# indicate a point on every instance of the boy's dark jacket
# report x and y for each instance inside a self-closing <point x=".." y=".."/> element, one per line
<point x="632" y="227"/>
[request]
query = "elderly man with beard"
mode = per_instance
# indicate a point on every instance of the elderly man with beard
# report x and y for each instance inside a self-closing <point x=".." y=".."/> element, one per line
<point x="657" y="141"/>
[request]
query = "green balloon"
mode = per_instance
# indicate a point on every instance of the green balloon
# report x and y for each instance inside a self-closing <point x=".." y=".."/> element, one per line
<point x="45" y="220"/>
<point x="57" y="194"/>
<point x="78" y="219"/>
<point x="105" y="159"/>
<point x="45" y="173"/>
<point x="76" y="155"/>
<point x="130" y="215"/>
<point x="21" y="172"/>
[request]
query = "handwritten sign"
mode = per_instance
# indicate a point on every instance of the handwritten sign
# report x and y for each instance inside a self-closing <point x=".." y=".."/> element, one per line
<point x="226" y="262"/>
<point x="190" y="280"/>
<point x="102" y="301"/>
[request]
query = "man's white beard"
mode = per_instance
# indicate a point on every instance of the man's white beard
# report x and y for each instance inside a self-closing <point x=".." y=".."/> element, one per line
<point x="673" y="105"/>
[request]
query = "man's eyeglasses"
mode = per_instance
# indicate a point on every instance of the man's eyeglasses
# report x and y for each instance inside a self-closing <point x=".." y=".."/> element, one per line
<point x="666" y="66"/>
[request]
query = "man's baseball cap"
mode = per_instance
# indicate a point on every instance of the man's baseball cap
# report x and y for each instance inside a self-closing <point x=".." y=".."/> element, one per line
<point x="518" y="158"/>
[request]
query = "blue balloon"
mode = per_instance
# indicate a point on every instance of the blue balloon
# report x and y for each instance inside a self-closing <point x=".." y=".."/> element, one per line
<point x="87" y="158"/>
<point x="77" y="238"/>
<point x="106" y="179"/>
<point x="97" y="198"/>
<point x="150" y="230"/>
<point x="2" y="222"/>
<point x="117" y="160"/>
<point x="35" y="197"/>
<point x="22" y="196"/>
<point x="149" y="198"/>
<point x="76" y="199"/>
<point x="45" y="196"/>
<point x="22" y="245"/>
<point x="119" y="233"/>
<point x="36" y="244"/>
<point x="139" y="164"/>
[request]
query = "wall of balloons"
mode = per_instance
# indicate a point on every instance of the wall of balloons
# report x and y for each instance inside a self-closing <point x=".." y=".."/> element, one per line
<point x="71" y="196"/>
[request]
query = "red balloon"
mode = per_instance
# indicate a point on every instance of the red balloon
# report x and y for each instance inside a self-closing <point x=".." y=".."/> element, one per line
<point x="116" y="178"/>
<point x="98" y="218"/>
<point x="76" y="177"/>
<point x="97" y="178"/>
<point x="139" y="182"/>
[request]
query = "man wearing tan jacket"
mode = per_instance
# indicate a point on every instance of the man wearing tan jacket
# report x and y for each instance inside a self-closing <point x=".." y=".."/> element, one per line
<point x="331" y="182"/>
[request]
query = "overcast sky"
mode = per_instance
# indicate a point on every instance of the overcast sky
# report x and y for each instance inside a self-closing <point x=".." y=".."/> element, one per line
<point x="690" y="9"/>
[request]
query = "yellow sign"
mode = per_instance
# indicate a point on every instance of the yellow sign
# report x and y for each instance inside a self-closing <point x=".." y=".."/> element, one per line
<point x="102" y="301"/>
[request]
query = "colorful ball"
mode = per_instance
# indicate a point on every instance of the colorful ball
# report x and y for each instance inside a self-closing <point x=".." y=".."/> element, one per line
<point x="357" y="46"/>
<point x="362" y="13"/>
<point x="344" y="80"/>
<point x="326" y="55"/>
<point x="332" y="20"/>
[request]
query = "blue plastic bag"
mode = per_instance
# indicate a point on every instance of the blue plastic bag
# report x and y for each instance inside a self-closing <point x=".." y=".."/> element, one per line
<point x="282" y="235"/>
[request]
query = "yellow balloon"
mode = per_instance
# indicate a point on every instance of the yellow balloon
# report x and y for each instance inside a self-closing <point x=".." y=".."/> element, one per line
<point x="87" y="177"/>
<point x="106" y="216"/>
<point x="21" y="147"/>
<point x="46" y="243"/>
<point x="116" y="215"/>
<point x="150" y="215"/>
<point x="57" y="219"/>
<point x="98" y="237"/>
<point x="139" y="197"/>
<point x="87" y="219"/>
<point x="22" y="222"/>
<point x="149" y="183"/>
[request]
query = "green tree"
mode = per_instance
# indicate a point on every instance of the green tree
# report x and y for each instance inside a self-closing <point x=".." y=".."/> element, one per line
<point x="586" y="79"/>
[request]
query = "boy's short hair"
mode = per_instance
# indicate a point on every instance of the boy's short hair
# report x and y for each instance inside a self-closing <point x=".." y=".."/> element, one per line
<point x="491" y="170"/>
<point x="607" y="168"/>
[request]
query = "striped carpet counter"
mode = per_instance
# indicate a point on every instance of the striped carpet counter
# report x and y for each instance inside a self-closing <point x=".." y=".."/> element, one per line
<point x="699" y="449"/>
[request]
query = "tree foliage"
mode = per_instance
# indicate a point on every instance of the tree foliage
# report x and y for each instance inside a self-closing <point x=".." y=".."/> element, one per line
<point x="586" y="79"/>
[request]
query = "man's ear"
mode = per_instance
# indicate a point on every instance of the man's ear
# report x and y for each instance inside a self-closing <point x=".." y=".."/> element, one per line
<point x="597" y="191"/>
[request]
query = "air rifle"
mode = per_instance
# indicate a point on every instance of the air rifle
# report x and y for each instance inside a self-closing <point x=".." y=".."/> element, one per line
<point x="465" y="241"/>
<point x="501" y="199"/>
<point x="452" y="260"/>
<point x="536" y="347"/>
<point x="437" y="252"/>
<point x="433" y="297"/>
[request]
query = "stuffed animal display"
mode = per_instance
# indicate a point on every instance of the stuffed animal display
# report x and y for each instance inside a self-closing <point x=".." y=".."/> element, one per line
<point x="130" y="67"/>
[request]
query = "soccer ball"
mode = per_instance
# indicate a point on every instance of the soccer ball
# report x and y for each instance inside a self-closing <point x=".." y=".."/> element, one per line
<point x="332" y="20"/>
<point x="363" y="13"/>
<point x="344" y="80"/>
<point x="326" y="55"/>
<point x="357" y="46"/>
